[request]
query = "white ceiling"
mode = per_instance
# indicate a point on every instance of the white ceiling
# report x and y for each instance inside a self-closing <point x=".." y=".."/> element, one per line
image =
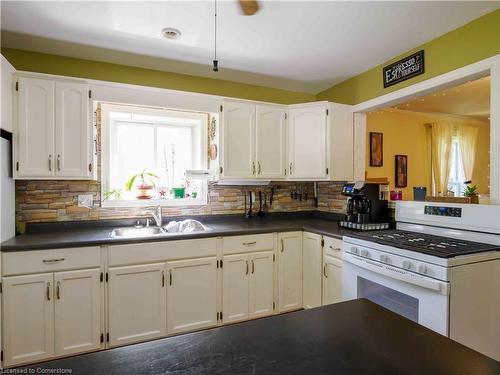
<point x="470" y="99"/>
<point x="296" y="45"/>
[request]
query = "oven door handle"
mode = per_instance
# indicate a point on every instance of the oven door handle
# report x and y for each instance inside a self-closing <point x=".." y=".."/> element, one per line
<point x="399" y="274"/>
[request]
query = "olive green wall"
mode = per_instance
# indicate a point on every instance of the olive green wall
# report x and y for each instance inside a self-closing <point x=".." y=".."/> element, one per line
<point x="470" y="43"/>
<point x="68" y="66"/>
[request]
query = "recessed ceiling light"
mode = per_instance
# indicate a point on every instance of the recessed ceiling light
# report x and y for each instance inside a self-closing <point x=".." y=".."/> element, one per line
<point x="171" y="33"/>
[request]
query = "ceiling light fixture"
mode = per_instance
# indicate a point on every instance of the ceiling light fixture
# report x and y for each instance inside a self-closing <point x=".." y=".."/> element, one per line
<point x="216" y="62"/>
<point x="171" y="33"/>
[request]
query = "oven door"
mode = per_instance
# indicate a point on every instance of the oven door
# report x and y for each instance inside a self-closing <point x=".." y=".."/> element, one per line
<point x="421" y="299"/>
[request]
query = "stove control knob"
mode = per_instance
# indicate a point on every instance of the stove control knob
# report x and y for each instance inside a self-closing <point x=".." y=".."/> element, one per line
<point x="354" y="250"/>
<point x="407" y="265"/>
<point x="422" y="269"/>
<point x="364" y="253"/>
<point x="384" y="258"/>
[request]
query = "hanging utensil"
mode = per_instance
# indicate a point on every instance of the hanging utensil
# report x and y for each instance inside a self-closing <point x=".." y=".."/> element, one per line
<point x="249" y="214"/>
<point x="260" y="213"/>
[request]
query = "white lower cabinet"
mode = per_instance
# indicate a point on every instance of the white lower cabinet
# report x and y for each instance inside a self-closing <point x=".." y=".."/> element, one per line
<point x="248" y="286"/>
<point x="28" y="318"/>
<point x="312" y="260"/>
<point x="136" y="303"/>
<point x="332" y="280"/>
<point x="51" y="314"/>
<point x="290" y="271"/>
<point x="261" y="284"/>
<point x="191" y="294"/>
<point x="77" y="311"/>
<point x="235" y="288"/>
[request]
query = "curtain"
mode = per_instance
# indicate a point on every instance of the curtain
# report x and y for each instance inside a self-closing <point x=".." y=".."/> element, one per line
<point x="441" y="134"/>
<point x="467" y="138"/>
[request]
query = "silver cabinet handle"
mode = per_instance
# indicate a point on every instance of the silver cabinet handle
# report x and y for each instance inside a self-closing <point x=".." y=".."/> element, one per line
<point x="162" y="278"/>
<point x="258" y="167"/>
<point x="253" y="267"/>
<point x="49" y="261"/>
<point x="246" y="272"/>
<point x="282" y="245"/>
<point x="58" y="162"/>
<point x="290" y="167"/>
<point x="170" y="276"/>
<point x="249" y="243"/>
<point x="50" y="162"/>
<point x="335" y="248"/>
<point x="324" y="270"/>
<point x="58" y="290"/>
<point x="48" y="291"/>
<point x="253" y="167"/>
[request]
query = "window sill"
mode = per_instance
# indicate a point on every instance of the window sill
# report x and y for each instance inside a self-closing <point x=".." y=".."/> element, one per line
<point x="116" y="203"/>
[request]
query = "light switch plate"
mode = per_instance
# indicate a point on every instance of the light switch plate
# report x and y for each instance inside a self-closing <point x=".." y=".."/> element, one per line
<point x="85" y="200"/>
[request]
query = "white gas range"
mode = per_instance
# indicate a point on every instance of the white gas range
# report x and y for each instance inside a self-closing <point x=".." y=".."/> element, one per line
<point x="440" y="268"/>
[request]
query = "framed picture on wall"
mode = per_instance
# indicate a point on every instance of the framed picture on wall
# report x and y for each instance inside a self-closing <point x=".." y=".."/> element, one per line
<point x="376" y="149"/>
<point x="401" y="171"/>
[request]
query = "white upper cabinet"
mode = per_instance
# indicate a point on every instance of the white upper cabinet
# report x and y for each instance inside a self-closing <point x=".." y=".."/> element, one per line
<point x="35" y="129"/>
<point x="238" y="145"/>
<point x="270" y="142"/>
<point x="341" y="142"/>
<point x="308" y="141"/>
<point x="73" y="133"/>
<point x="53" y="134"/>
<point x="253" y="141"/>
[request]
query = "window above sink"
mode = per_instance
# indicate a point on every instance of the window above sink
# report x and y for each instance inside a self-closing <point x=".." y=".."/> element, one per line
<point x="156" y="146"/>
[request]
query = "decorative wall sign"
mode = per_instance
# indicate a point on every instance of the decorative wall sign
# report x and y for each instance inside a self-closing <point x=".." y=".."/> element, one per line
<point x="404" y="69"/>
<point x="401" y="171"/>
<point x="376" y="149"/>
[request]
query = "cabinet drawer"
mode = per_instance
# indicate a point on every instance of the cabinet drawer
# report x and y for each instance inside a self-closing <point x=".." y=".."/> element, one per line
<point x="245" y="244"/>
<point x="39" y="261"/>
<point x="333" y="247"/>
<point x="151" y="252"/>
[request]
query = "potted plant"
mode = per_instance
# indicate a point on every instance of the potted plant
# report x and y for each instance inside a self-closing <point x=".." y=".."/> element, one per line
<point x="470" y="192"/>
<point x="146" y="185"/>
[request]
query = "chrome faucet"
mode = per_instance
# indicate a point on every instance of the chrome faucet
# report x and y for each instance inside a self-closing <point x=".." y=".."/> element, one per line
<point x="155" y="212"/>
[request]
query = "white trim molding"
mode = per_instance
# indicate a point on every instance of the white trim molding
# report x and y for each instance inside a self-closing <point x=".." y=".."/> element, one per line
<point x="489" y="66"/>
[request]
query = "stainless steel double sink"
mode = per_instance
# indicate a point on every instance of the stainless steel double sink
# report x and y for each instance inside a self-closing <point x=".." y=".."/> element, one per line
<point x="173" y="227"/>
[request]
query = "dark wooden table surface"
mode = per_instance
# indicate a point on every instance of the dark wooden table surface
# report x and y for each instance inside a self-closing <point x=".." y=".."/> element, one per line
<point x="354" y="337"/>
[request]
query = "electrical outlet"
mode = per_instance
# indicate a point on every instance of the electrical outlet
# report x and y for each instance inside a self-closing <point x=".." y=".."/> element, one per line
<point x="85" y="200"/>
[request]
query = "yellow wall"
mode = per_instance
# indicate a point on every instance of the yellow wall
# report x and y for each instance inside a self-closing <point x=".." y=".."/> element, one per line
<point x="405" y="134"/>
<point x="68" y="66"/>
<point x="470" y="43"/>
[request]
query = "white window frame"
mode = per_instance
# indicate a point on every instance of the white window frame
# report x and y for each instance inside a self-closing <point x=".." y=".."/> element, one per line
<point x="106" y="130"/>
<point x="457" y="185"/>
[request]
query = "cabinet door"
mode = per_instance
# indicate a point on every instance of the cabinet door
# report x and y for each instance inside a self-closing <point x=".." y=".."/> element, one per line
<point x="270" y="142"/>
<point x="290" y="271"/>
<point x="238" y="147"/>
<point x="77" y="311"/>
<point x="311" y="263"/>
<point x="332" y="280"/>
<point x="342" y="142"/>
<point x="136" y="303"/>
<point x="307" y="143"/>
<point x="235" y="287"/>
<point x="191" y="294"/>
<point x="35" y="128"/>
<point x="73" y="131"/>
<point x="261" y="284"/>
<point x="28" y="318"/>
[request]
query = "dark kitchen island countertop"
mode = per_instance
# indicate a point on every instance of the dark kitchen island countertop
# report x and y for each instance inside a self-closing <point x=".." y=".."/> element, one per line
<point x="353" y="337"/>
<point x="80" y="234"/>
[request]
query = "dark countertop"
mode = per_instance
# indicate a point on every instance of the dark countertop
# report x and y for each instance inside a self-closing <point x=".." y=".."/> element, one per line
<point x="353" y="337"/>
<point x="88" y="234"/>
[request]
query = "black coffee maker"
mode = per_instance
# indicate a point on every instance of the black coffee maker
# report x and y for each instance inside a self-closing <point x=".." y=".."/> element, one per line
<point x="364" y="205"/>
